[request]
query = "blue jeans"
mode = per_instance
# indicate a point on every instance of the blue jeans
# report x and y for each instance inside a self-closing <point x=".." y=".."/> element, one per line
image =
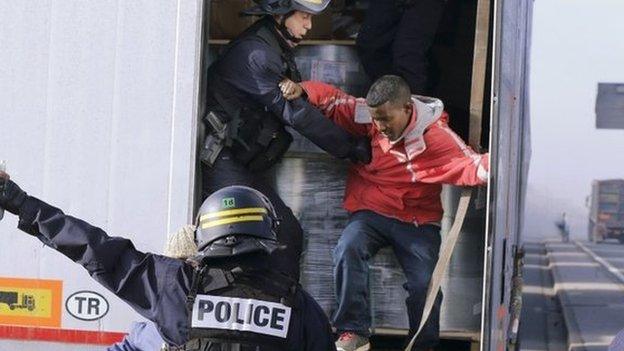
<point x="416" y="249"/>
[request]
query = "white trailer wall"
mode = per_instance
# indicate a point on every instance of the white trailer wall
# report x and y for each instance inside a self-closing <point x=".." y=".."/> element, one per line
<point x="97" y="116"/>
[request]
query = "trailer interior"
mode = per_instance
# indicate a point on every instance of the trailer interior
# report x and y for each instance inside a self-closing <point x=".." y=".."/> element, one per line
<point x="311" y="183"/>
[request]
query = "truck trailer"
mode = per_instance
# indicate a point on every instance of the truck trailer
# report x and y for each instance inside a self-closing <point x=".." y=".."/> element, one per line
<point x="101" y="117"/>
<point x="606" y="211"/>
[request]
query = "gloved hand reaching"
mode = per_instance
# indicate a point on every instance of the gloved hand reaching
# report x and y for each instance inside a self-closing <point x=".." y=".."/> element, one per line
<point x="11" y="195"/>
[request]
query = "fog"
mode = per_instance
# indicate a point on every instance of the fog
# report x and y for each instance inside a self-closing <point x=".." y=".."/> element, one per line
<point x="575" y="45"/>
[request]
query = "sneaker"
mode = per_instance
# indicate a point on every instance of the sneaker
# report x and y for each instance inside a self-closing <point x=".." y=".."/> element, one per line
<point x="349" y="341"/>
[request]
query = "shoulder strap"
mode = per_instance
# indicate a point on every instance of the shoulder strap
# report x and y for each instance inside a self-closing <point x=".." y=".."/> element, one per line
<point x="198" y="274"/>
<point x="261" y="29"/>
<point x="270" y="36"/>
<point x="219" y="279"/>
<point x="278" y="284"/>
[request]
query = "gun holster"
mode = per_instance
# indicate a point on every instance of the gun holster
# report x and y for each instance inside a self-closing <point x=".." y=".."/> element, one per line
<point x="216" y="139"/>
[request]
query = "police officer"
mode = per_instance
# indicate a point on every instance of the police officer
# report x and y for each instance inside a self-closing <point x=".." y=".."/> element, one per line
<point x="144" y="335"/>
<point x="396" y="38"/>
<point x="247" y="114"/>
<point x="227" y="294"/>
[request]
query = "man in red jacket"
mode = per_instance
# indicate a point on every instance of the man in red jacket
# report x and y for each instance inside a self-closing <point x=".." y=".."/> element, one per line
<point x="395" y="200"/>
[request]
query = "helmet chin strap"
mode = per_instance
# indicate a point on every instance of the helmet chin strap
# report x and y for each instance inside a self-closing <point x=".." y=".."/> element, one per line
<point x="281" y="26"/>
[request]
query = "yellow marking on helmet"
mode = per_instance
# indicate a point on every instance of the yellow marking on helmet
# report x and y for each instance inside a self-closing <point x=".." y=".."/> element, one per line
<point x="230" y="220"/>
<point x="236" y="212"/>
<point x="318" y="2"/>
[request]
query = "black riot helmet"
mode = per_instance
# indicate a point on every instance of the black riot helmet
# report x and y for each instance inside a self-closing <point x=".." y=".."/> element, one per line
<point x="282" y="7"/>
<point x="236" y="220"/>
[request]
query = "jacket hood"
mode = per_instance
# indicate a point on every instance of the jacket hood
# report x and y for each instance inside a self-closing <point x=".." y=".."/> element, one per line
<point x="428" y="111"/>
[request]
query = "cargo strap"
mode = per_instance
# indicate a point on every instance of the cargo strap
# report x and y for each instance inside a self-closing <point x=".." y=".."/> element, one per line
<point x="446" y="250"/>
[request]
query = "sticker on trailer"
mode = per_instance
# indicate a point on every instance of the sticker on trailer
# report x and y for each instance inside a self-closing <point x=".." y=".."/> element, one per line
<point x="30" y="302"/>
<point x="87" y="305"/>
<point x="231" y="313"/>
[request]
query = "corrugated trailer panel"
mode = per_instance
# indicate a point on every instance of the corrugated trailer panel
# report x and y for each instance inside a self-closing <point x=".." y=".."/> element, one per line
<point x="510" y="147"/>
<point x="98" y="104"/>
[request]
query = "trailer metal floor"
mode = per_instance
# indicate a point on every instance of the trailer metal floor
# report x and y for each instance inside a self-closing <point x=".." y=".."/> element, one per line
<point x="380" y="343"/>
<point x="396" y="343"/>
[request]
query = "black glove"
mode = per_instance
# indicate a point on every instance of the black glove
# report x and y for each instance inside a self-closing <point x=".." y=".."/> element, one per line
<point x="11" y="196"/>
<point x="361" y="151"/>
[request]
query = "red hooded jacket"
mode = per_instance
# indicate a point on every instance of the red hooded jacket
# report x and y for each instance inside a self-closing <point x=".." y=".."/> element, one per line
<point x="404" y="178"/>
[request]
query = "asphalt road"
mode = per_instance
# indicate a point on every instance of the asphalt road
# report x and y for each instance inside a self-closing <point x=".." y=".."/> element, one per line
<point x="577" y="285"/>
<point x="541" y="325"/>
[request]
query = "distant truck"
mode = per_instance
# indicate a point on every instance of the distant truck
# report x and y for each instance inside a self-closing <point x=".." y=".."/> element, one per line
<point x="606" y="210"/>
<point x="10" y="298"/>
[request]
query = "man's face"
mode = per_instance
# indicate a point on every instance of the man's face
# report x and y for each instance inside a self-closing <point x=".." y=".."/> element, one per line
<point x="391" y="119"/>
<point x="298" y="24"/>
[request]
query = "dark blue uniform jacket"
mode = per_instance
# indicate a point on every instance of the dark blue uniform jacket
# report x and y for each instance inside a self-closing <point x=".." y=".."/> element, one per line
<point x="154" y="285"/>
<point x="249" y="72"/>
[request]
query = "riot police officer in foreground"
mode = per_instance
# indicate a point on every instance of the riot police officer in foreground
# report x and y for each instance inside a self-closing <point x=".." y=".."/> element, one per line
<point x="227" y="294"/>
<point x="247" y="114"/>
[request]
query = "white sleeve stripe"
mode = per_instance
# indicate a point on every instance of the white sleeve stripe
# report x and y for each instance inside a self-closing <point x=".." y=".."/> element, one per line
<point x="333" y="103"/>
<point x="482" y="173"/>
<point x="458" y="141"/>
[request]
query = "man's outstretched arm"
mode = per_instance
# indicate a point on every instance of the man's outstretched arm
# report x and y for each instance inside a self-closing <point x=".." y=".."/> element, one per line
<point x="452" y="161"/>
<point x="334" y="103"/>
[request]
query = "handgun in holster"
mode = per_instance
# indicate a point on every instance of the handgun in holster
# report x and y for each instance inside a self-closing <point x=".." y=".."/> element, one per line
<point x="216" y="139"/>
